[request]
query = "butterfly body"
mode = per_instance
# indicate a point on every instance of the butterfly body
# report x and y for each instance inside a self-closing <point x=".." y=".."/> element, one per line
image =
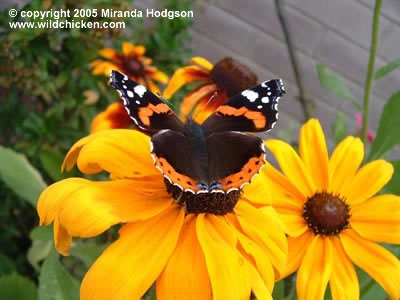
<point x="217" y="156"/>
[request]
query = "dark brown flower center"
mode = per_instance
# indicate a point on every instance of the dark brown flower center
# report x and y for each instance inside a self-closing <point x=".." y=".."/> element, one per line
<point x="134" y="66"/>
<point x="213" y="203"/>
<point x="232" y="76"/>
<point x="326" y="213"/>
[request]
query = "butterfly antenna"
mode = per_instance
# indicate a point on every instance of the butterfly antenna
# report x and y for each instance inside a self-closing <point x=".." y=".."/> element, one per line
<point x="174" y="106"/>
<point x="204" y="107"/>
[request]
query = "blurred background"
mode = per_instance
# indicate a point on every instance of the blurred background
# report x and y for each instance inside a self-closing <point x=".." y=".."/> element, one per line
<point x="49" y="94"/>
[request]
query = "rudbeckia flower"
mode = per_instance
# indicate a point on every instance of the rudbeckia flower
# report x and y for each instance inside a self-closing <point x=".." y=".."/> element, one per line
<point x="134" y="64"/>
<point x="222" y="255"/>
<point x="333" y="216"/>
<point x="217" y="83"/>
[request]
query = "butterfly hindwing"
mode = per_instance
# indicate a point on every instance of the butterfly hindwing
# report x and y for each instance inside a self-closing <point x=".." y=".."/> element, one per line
<point x="253" y="110"/>
<point x="148" y="111"/>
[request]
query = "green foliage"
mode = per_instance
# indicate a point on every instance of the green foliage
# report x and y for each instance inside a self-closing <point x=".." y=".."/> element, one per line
<point x="385" y="70"/>
<point x="340" y="130"/>
<point x="20" y="176"/>
<point x="55" y="283"/>
<point x="17" y="287"/>
<point x="333" y="83"/>
<point x="388" y="134"/>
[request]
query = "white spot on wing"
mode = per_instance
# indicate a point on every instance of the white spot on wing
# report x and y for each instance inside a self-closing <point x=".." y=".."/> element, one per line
<point x="129" y="93"/>
<point x="137" y="102"/>
<point x="124" y="86"/>
<point x="250" y="95"/>
<point x="259" y="106"/>
<point x="265" y="100"/>
<point x="140" y="90"/>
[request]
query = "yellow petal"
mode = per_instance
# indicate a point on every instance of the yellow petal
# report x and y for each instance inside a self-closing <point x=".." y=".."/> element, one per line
<point x="315" y="269"/>
<point x="258" y="287"/>
<point x="292" y="166"/>
<point x="130" y="265"/>
<point x="152" y="87"/>
<point x="378" y="219"/>
<point x="185" y="275"/>
<point x="229" y="275"/>
<point x="344" y="162"/>
<point x="266" y="230"/>
<point x="258" y="191"/>
<point x="261" y="261"/>
<point x="62" y="240"/>
<point x="105" y="68"/>
<point x="314" y="153"/>
<point x="160" y="76"/>
<point x="295" y="225"/>
<point x="378" y="262"/>
<point x="140" y="50"/>
<point x="50" y="199"/>
<point x="109" y="54"/>
<point x="297" y="247"/>
<point x="280" y="184"/>
<point x="202" y="62"/>
<point x="368" y="181"/>
<point x="122" y="152"/>
<point x="115" y="116"/>
<point x="106" y="203"/>
<point x="343" y="282"/>
<point x="128" y="49"/>
<point x="183" y="76"/>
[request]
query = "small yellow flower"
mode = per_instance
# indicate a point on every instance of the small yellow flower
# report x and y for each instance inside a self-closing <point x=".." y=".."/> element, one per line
<point x="134" y="64"/>
<point x="202" y="255"/>
<point x="333" y="216"/>
<point x="218" y="83"/>
<point x="131" y="62"/>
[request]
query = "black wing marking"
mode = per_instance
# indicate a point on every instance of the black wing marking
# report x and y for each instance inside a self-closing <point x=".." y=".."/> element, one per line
<point x="253" y="110"/>
<point x="148" y="111"/>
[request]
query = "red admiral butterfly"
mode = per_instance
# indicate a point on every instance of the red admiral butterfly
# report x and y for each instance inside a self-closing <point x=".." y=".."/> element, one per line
<point x="216" y="156"/>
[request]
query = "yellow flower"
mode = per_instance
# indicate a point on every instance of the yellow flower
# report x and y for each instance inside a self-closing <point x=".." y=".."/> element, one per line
<point x="131" y="62"/>
<point x="134" y="64"/>
<point x="115" y="116"/>
<point x="218" y="83"/>
<point x="333" y="216"/>
<point x="190" y="255"/>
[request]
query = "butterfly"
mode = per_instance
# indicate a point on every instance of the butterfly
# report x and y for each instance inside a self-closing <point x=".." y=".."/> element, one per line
<point x="217" y="156"/>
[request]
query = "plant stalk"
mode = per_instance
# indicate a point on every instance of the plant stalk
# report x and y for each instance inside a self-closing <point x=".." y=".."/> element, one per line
<point x="304" y="100"/>
<point x="370" y="72"/>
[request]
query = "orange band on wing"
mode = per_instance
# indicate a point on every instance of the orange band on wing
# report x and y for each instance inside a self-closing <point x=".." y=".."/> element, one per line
<point x="245" y="175"/>
<point x="257" y="117"/>
<point x="146" y="112"/>
<point x="184" y="181"/>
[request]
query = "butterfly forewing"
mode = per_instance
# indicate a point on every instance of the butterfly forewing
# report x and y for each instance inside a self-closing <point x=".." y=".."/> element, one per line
<point x="148" y="111"/>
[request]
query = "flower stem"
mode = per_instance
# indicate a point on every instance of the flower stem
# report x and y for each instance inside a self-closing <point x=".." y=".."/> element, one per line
<point x="370" y="72"/>
<point x="304" y="100"/>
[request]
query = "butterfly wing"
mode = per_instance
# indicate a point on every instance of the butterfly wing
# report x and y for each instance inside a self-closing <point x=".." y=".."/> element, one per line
<point x="253" y="110"/>
<point x="147" y="110"/>
<point x="234" y="159"/>
<point x="178" y="159"/>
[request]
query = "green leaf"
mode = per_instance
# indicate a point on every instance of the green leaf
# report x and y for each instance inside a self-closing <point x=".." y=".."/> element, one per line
<point x="38" y="251"/>
<point x="17" y="287"/>
<point x="55" y="283"/>
<point x="339" y="128"/>
<point x="19" y="175"/>
<point x="334" y="84"/>
<point x="393" y="186"/>
<point x="387" y="69"/>
<point x="42" y="233"/>
<point x="369" y="289"/>
<point x="6" y="264"/>
<point x="388" y="134"/>
<point x="51" y="161"/>
<point x="87" y="252"/>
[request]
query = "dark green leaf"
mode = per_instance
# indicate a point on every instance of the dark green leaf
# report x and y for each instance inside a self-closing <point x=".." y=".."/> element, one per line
<point x="19" y="175"/>
<point x="340" y="128"/>
<point x="51" y="162"/>
<point x="388" y="134"/>
<point x="387" y="69"/>
<point x="42" y="233"/>
<point x="369" y="288"/>
<point x="279" y="290"/>
<point x="333" y="83"/>
<point x="87" y="252"/>
<point x="17" y="287"/>
<point x="6" y="264"/>
<point x="55" y="283"/>
<point x="393" y="186"/>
